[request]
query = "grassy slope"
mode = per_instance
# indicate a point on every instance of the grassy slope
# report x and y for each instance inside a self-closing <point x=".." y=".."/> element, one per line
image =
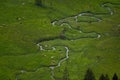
<point x="17" y="39"/>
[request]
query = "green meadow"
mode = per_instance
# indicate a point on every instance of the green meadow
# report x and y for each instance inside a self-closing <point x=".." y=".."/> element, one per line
<point x="58" y="38"/>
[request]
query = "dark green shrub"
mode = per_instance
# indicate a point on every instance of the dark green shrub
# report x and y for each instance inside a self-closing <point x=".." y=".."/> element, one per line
<point x="115" y="77"/>
<point x="39" y="2"/>
<point x="89" y="75"/>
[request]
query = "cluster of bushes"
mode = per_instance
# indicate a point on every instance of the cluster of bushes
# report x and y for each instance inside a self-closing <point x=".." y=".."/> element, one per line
<point x="90" y="76"/>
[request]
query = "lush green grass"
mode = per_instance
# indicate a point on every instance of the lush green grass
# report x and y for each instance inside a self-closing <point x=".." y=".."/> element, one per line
<point x="23" y="25"/>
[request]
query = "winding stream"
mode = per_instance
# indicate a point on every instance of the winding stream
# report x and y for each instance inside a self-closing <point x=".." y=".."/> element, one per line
<point x="59" y="63"/>
<point x="62" y="23"/>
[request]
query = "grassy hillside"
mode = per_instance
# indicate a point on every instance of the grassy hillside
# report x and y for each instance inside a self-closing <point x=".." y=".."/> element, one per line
<point x="34" y="38"/>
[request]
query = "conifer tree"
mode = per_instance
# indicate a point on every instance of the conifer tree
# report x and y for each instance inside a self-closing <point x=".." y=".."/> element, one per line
<point x="106" y="77"/>
<point x="115" y="77"/>
<point x="89" y="75"/>
<point x="102" y="77"/>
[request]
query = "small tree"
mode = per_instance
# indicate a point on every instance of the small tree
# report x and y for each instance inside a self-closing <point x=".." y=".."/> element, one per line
<point x="115" y="77"/>
<point x="106" y="77"/>
<point x="89" y="75"/>
<point x="102" y="77"/>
